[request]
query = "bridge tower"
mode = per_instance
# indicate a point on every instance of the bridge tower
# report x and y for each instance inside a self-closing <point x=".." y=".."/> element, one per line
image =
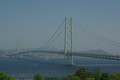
<point x="18" y="49"/>
<point x="68" y="41"/>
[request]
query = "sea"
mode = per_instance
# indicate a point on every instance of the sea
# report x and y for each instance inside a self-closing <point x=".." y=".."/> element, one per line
<point x="54" y="67"/>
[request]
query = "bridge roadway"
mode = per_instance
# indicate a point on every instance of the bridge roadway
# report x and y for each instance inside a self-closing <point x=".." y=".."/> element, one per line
<point x="101" y="56"/>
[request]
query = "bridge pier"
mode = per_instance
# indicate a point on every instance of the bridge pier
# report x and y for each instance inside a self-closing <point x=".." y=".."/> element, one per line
<point x="68" y="60"/>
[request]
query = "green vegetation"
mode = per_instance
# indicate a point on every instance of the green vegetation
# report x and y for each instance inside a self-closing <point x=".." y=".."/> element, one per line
<point x="80" y="74"/>
<point x="37" y="77"/>
<point x="3" y="76"/>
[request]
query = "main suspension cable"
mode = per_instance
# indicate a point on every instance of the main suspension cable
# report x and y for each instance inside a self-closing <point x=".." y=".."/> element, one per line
<point x="100" y="37"/>
<point x="52" y="37"/>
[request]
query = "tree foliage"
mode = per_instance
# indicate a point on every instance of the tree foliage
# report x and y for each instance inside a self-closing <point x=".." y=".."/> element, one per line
<point x="37" y="77"/>
<point x="80" y="74"/>
<point x="4" y="76"/>
<point x="97" y="73"/>
<point x="72" y="78"/>
<point x="105" y="76"/>
<point x="115" y="76"/>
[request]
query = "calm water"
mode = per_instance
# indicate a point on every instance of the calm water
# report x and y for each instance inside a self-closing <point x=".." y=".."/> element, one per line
<point x="26" y="68"/>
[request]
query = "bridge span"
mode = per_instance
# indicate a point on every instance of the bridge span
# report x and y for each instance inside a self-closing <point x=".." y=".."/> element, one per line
<point x="68" y="44"/>
<point x="81" y="54"/>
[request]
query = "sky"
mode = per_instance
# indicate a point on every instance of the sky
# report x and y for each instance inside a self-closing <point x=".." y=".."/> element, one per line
<point x="33" y="22"/>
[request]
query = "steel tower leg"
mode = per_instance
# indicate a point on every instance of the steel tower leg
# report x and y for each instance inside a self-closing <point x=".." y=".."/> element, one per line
<point x="68" y="41"/>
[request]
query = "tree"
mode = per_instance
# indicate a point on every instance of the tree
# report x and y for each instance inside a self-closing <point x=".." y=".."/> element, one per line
<point x="37" y="77"/>
<point x="115" y="76"/>
<point x="105" y="76"/>
<point x="3" y="76"/>
<point x="50" y="78"/>
<point x="90" y="79"/>
<point x="97" y="73"/>
<point x="73" y="78"/>
<point x="81" y="73"/>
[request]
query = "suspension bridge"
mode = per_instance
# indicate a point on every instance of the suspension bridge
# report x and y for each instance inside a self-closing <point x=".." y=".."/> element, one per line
<point x="68" y="48"/>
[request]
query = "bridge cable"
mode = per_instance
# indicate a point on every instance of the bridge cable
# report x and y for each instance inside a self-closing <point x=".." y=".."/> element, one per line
<point x="96" y="36"/>
<point x="56" y="37"/>
<point x="88" y="31"/>
<point x="52" y="37"/>
<point x="100" y="35"/>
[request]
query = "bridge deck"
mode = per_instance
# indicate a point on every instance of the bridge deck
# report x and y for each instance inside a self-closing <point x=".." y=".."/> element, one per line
<point x="111" y="57"/>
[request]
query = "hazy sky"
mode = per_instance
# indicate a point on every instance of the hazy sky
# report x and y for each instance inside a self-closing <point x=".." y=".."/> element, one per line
<point x="34" y="21"/>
